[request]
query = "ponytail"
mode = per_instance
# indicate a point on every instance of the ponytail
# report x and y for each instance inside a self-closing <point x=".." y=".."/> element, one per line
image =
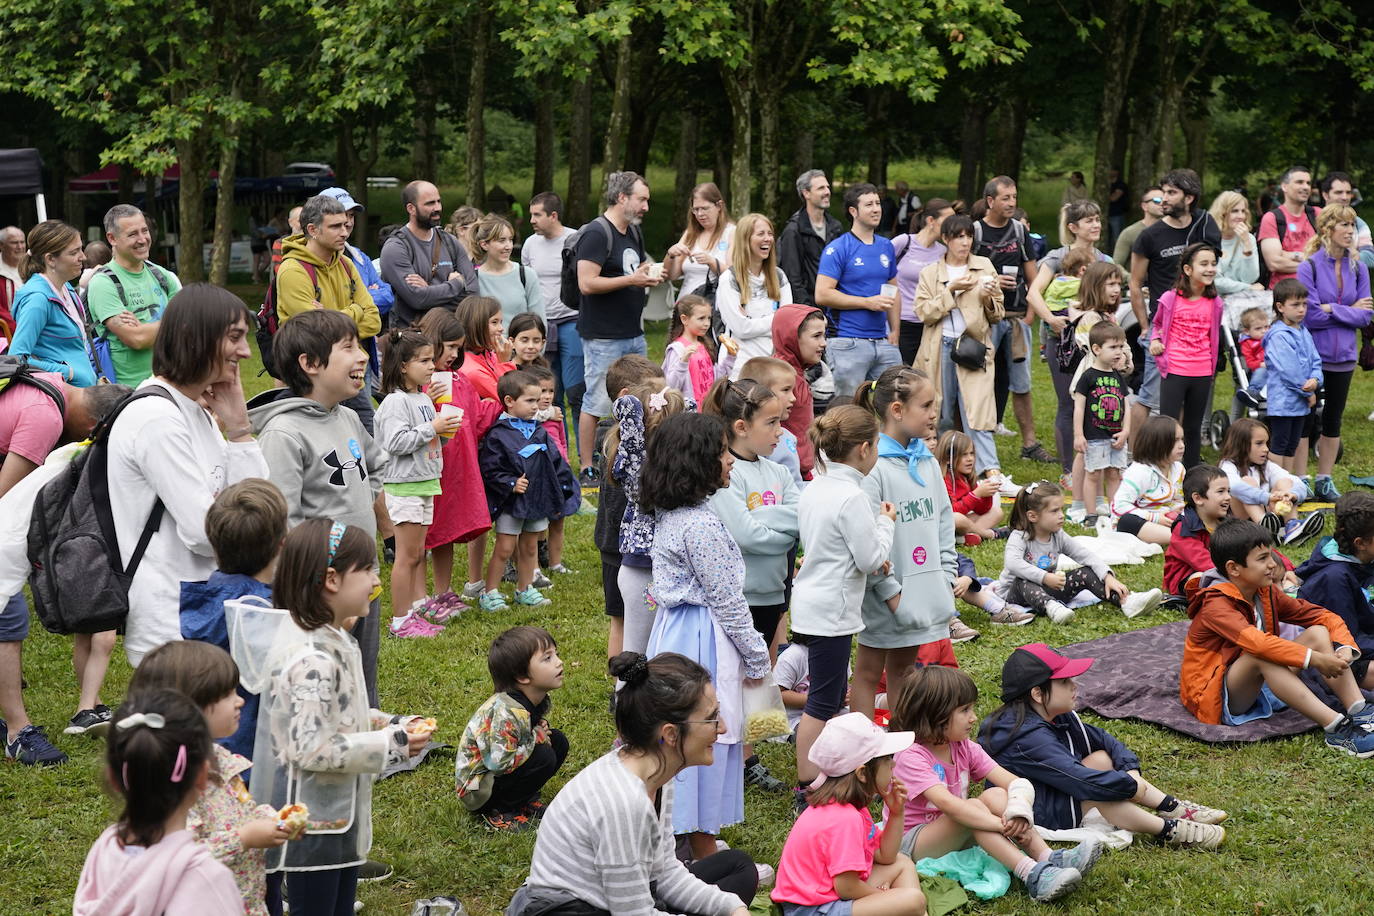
<point x="837" y="432"/>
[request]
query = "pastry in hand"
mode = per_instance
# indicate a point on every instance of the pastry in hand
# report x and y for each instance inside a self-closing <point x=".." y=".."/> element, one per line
<point x="292" y="819"/>
<point x="422" y="726"/>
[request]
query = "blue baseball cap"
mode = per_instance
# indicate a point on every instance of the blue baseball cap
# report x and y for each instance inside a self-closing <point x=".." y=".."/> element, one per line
<point x="342" y="197"/>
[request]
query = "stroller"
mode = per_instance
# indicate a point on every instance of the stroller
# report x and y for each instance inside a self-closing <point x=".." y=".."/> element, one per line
<point x="1220" y="420"/>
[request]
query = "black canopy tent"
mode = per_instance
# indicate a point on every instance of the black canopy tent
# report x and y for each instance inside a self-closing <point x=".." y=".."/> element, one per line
<point x="21" y="175"/>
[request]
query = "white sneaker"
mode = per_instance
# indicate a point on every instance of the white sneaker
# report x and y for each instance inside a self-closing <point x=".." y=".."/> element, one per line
<point x="1003" y="431"/>
<point x="1076" y="514"/>
<point x="766" y="873"/>
<point x="1138" y="603"/>
<point x="1103" y="508"/>
<point x="1009" y="487"/>
<point x="1059" y="613"/>
<point x="473" y="590"/>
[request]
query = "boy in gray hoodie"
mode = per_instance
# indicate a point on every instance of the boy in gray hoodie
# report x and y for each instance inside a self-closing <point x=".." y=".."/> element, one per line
<point x="318" y="453"/>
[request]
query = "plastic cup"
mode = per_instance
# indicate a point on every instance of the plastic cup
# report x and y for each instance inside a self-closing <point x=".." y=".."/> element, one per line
<point x="450" y="410"/>
<point x="889" y="290"/>
<point x="445" y="379"/>
<point x="656" y="271"/>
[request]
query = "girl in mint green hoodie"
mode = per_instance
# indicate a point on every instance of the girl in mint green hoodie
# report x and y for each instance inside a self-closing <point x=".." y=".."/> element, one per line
<point x="906" y="612"/>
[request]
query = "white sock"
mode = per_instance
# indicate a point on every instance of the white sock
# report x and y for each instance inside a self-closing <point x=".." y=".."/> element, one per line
<point x="1023" y="868"/>
<point x="1331" y="726"/>
<point x="992" y="602"/>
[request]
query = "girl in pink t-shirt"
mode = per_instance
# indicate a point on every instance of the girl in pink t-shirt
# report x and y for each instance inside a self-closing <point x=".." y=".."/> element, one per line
<point x="936" y="704"/>
<point x="1184" y="339"/>
<point x="834" y="851"/>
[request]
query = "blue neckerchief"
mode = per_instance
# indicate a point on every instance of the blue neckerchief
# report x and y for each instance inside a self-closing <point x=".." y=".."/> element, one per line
<point x="915" y="450"/>
<point x="525" y="428"/>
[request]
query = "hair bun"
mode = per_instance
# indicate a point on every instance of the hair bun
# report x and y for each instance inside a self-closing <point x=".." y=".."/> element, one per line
<point x="630" y="667"/>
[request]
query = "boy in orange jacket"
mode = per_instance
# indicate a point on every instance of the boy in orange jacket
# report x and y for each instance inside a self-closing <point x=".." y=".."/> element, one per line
<point x="1236" y="668"/>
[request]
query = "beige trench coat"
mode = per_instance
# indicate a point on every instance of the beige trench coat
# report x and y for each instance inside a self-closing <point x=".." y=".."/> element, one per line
<point x="933" y="302"/>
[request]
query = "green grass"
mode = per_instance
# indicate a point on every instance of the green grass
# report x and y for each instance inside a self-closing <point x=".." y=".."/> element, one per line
<point x="1297" y="837"/>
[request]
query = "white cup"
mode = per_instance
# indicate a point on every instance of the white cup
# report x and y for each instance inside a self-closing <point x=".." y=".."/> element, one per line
<point x="1010" y="270"/>
<point x="889" y="290"/>
<point x="450" y="410"/>
<point x="656" y="271"/>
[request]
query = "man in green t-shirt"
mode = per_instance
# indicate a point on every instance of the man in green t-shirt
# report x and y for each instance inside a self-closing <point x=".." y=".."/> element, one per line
<point x="127" y="295"/>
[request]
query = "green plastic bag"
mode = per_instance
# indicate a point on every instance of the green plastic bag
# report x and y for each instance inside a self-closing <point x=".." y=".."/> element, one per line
<point x="979" y="873"/>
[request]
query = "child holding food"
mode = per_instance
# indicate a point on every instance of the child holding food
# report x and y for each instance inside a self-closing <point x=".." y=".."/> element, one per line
<point x="508" y="751"/>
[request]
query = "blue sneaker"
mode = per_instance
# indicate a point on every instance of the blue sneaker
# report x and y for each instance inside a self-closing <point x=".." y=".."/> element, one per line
<point x="1082" y="857"/>
<point x="1364" y="718"/>
<point x="1324" y="490"/>
<point x="492" y="601"/>
<point x="1351" y="739"/>
<point x="531" y="597"/>
<point x="31" y="747"/>
<point x="1048" y="881"/>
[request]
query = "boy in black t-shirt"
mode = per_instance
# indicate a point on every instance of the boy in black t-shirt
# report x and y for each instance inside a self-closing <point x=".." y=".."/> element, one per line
<point x="1101" y="422"/>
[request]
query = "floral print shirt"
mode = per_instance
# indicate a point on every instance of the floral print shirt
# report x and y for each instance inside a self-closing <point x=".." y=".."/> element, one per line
<point x="216" y="818"/>
<point x="636" y="528"/>
<point x="498" y="739"/>
<point x="696" y="561"/>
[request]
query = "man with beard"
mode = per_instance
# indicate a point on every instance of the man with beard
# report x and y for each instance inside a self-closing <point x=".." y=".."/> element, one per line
<point x="1154" y="263"/>
<point x="1282" y="243"/>
<point x="425" y="266"/>
<point x="127" y="295"/>
<point x="806" y="234"/>
<point x="613" y="271"/>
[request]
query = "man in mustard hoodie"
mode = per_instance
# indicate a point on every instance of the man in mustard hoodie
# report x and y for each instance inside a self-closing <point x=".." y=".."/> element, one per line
<point x="316" y="274"/>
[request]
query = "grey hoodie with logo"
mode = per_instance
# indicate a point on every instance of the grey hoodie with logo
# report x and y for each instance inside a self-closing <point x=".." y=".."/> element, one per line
<point x="322" y="459"/>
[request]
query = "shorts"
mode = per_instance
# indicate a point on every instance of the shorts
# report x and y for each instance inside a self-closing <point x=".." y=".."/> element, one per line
<point x="509" y="524"/>
<point x="766" y="619"/>
<point x="410" y="510"/>
<point x="1285" y="433"/>
<point x="1019" y="377"/>
<point x="610" y="585"/>
<point x="827" y="658"/>
<point x="909" y="839"/>
<point x="940" y="653"/>
<point x="1265" y="705"/>
<point x="833" y="908"/>
<point x="1130" y="523"/>
<point x="597" y="357"/>
<point x="14" y="618"/>
<point x="1100" y="455"/>
<point x="1148" y="395"/>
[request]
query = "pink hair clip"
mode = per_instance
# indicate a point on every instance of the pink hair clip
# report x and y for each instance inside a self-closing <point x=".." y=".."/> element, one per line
<point x="179" y="768"/>
<point x="659" y="399"/>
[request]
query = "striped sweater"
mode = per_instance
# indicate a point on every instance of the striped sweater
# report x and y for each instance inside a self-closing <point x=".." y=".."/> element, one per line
<point x="1146" y="492"/>
<point x="602" y="842"/>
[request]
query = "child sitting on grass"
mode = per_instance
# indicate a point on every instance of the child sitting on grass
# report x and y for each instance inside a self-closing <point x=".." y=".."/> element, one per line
<point x="1150" y="496"/>
<point x="1236" y="668"/>
<point x="245" y="527"/>
<point x="977" y="507"/>
<point x="508" y="751"/>
<point x="1340" y="571"/>
<point x="1076" y="767"/>
<point x="1261" y="490"/>
<point x="936" y="704"/>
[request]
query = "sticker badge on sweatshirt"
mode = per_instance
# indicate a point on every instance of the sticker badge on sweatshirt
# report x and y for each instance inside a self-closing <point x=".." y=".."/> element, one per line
<point x="757" y="500"/>
<point x="918" y="556"/>
<point x="1044" y="562"/>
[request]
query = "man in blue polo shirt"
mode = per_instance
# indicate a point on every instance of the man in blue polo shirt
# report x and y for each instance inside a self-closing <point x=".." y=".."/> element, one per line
<point x="862" y="321"/>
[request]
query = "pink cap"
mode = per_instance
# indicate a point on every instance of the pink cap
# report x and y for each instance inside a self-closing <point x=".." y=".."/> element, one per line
<point x="849" y="741"/>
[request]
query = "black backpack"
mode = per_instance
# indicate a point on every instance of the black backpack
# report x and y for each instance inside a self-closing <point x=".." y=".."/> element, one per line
<point x="15" y="370"/>
<point x="268" y="321"/>
<point x="568" y="289"/>
<point x="1281" y="224"/>
<point x="79" y="583"/>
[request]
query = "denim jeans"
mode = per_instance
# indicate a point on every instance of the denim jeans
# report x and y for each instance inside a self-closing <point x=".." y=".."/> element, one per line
<point x="597" y="357"/>
<point x="984" y="447"/>
<point x="1020" y="380"/>
<point x="855" y="360"/>
<point x="1149" y="383"/>
<point x="566" y="362"/>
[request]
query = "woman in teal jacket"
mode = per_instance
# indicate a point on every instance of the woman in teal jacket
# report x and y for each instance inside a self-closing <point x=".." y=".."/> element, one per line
<point x="50" y="319"/>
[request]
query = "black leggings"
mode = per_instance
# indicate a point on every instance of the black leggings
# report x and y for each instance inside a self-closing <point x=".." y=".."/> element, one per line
<point x="1336" y="391"/>
<point x="909" y="339"/>
<point x="330" y="892"/>
<point x="1035" y="597"/>
<point x="1063" y="415"/>
<point x="512" y="791"/>
<point x="1186" y="399"/>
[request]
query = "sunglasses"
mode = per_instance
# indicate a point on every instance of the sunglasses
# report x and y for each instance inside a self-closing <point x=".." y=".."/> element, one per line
<point x="1154" y="200"/>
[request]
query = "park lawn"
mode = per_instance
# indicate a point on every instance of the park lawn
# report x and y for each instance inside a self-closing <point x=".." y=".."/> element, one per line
<point x="1297" y="841"/>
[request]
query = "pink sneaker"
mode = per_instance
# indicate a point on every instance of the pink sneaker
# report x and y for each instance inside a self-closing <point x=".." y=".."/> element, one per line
<point x="441" y="607"/>
<point x="413" y="625"/>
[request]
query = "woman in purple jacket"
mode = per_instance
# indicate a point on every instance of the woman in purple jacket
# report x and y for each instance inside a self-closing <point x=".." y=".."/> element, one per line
<point x="1338" y="304"/>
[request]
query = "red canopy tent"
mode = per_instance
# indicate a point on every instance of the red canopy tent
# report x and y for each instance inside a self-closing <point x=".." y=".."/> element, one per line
<point x="106" y="180"/>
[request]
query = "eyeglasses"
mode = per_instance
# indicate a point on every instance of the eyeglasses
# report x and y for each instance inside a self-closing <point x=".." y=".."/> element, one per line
<point x="700" y="210"/>
<point x="714" y="723"/>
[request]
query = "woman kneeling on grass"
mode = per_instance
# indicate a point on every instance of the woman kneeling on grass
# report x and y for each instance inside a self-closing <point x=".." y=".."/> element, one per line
<point x="606" y="842"/>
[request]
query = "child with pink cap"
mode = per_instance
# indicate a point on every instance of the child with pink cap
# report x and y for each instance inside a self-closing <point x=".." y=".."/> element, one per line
<point x="835" y="861"/>
<point x="1076" y="767"/>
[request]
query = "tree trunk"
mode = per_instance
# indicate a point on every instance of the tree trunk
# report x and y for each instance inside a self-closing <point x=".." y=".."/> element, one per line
<point x="803" y="150"/>
<point x="224" y="200"/>
<point x="544" y="136"/>
<point x="688" y="128"/>
<point x="1195" y="123"/>
<point x="74" y="205"/>
<point x="343" y="151"/>
<point x="1118" y="63"/>
<point x="739" y="92"/>
<point x="192" y="153"/>
<point x="422" y="155"/>
<point x="364" y="160"/>
<point x="720" y="169"/>
<point x="875" y="104"/>
<point x="477" y="100"/>
<point x="580" y="154"/>
<point x="613" y="152"/>
<point x="1143" y="139"/>
<point x="128" y="175"/>
<point x="770" y="156"/>
<point x="640" y="141"/>
<point x="1010" y="127"/>
<point x="972" y="139"/>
